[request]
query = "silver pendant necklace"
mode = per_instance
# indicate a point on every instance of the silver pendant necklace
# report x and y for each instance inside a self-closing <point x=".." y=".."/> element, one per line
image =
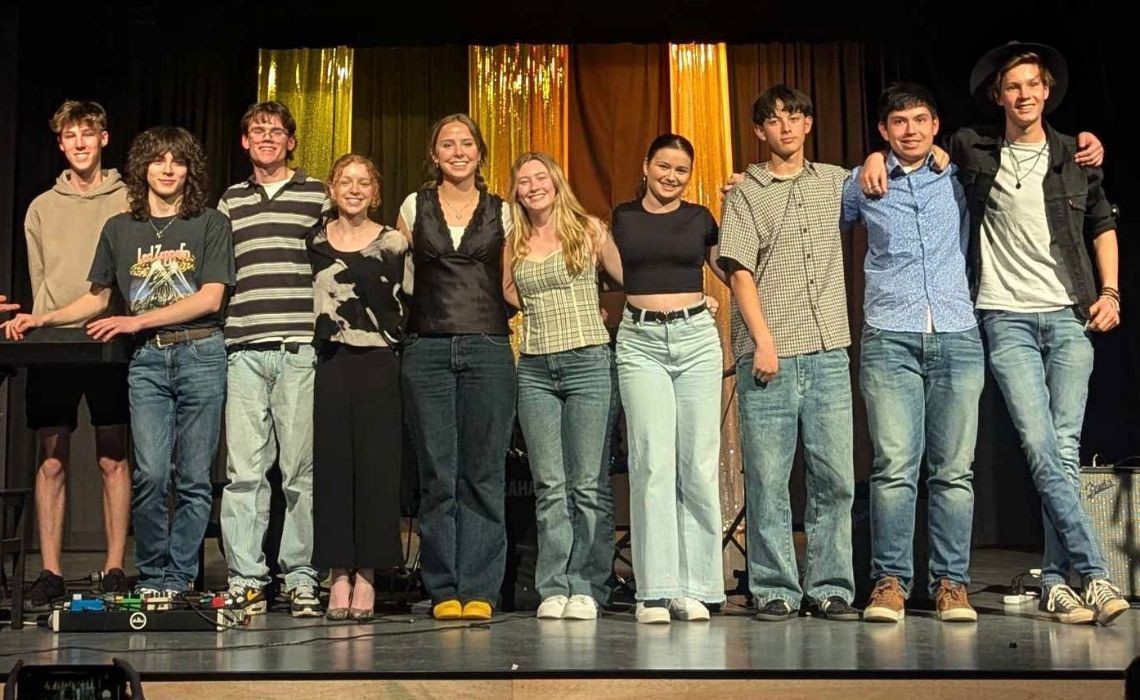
<point x="158" y="231"/>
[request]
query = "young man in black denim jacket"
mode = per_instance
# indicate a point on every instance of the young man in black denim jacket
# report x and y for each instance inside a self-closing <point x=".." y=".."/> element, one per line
<point x="1032" y="209"/>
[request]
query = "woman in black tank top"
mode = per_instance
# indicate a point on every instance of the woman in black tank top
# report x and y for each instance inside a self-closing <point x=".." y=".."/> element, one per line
<point x="458" y="373"/>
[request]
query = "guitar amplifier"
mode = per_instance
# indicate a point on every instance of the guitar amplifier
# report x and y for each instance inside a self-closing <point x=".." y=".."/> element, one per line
<point x="1111" y="498"/>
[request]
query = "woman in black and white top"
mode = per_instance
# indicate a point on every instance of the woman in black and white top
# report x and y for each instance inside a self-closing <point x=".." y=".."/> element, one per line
<point x="358" y="269"/>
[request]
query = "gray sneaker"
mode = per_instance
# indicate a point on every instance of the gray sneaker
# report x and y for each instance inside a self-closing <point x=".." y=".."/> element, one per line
<point x="1065" y="606"/>
<point x="303" y="602"/>
<point x="1103" y="596"/>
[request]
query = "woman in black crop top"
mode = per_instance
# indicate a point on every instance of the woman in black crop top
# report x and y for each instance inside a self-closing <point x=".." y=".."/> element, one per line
<point x="669" y="370"/>
<point x="458" y="372"/>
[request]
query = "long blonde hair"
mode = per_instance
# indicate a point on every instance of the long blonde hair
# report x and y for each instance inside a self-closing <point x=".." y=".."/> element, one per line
<point x="572" y="224"/>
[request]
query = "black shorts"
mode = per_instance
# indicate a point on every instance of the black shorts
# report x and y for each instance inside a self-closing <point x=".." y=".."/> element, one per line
<point x="51" y="396"/>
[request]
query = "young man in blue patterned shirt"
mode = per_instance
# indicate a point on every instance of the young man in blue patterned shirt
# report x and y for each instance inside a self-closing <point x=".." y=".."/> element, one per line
<point x="922" y="364"/>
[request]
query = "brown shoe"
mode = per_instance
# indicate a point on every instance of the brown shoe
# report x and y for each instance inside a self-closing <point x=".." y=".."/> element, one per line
<point x="952" y="602"/>
<point x="887" y="602"/>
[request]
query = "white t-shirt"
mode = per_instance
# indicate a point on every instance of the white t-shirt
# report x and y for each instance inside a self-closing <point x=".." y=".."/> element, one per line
<point x="272" y="188"/>
<point x="1019" y="269"/>
<point x="408" y="214"/>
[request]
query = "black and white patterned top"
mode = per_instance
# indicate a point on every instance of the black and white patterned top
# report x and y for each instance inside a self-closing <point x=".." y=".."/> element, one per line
<point x="786" y="232"/>
<point x="358" y="296"/>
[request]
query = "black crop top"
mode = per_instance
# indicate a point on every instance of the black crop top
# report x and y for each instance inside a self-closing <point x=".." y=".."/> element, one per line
<point x="663" y="253"/>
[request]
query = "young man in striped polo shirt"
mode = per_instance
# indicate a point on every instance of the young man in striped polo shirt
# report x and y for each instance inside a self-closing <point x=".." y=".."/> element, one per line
<point x="269" y="334"/>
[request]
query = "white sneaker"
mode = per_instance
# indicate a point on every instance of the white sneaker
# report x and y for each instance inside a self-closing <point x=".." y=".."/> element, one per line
<point x="580" y="607"/>
<point x="651" y="616"/>
<point x="688" y="609"/>
<point x="552" y="607"/>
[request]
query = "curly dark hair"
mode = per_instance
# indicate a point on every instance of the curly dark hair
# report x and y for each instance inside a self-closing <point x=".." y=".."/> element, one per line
<point x="153" y="144"/>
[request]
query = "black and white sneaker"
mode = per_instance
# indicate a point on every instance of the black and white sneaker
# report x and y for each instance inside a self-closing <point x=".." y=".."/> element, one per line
<point x="776" y="610"/>
<point x="835" y="608"/>
<point x="1065" y="606"/>
<point x="303" y="602"/>
<point x="47" y="590"/>
<point x="1104" y="597"/>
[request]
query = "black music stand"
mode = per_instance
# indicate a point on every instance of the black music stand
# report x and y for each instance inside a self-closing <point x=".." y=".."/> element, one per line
<point x="729" y="535"/>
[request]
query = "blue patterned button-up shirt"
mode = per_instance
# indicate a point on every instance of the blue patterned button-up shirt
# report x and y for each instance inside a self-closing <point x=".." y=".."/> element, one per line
<point x="915" y="269"/>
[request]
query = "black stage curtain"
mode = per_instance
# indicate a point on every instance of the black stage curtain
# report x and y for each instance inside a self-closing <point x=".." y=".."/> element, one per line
<point x="131" y="66"/>
<point x="844" y="80"/>
<point x="1007" y="510"/>
<point x="397" y="94"/>
<point x="833" y="75"/>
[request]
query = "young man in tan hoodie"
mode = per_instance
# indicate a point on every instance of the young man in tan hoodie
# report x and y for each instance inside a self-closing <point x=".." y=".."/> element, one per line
<point x="62" y="229"/>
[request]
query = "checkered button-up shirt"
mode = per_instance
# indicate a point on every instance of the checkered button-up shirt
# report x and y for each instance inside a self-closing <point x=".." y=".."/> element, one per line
<point x="786" y="232"/>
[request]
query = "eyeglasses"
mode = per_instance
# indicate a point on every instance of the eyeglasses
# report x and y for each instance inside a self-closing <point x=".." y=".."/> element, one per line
<point x="276" y="133"/>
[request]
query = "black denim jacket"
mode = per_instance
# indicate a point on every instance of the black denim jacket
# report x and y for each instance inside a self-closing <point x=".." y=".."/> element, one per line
<point x="1075" y="204"/>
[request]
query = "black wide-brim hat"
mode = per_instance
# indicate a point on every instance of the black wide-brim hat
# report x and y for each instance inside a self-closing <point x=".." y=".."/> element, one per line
<point x="982" y="77"/>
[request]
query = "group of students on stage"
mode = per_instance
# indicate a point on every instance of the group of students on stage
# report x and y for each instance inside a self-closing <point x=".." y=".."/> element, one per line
<point x="338" y="330"/>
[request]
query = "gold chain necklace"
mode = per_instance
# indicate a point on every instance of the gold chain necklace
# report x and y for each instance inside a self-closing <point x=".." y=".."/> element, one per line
<point x="458" y="214"/>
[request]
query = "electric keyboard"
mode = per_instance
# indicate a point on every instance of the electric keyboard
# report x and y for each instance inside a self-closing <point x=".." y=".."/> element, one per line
<point x="48" y="346"/>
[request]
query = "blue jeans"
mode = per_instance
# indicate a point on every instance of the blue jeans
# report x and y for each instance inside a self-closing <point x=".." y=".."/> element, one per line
<point x="670" y="377"/>
<point x="1042" y="363"/>
<point x="269" y="418"/>
<point x="564" y="406"/>
<point x="922" y="392"/>
<point x="459" y="395"/>
<point x="812" y="392"/>
<point x="176" y="395"/>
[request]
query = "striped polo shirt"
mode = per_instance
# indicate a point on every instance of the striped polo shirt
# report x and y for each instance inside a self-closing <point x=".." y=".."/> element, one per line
<point x="273" y="294"/>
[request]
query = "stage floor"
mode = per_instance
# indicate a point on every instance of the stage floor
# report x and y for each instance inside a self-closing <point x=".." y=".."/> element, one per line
<point x="1005" y="642"/>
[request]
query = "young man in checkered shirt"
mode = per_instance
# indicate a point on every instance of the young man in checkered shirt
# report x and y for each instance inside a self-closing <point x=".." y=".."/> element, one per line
<point x="780" y="239"/>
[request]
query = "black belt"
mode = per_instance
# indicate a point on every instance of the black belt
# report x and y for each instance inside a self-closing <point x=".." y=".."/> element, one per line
<point x="643" y="316"/>
<point x="291" y="347"/>
<point x="162" y="340"/>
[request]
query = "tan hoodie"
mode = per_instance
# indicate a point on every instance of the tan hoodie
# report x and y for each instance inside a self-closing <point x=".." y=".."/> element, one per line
<point x="62" y="229"/>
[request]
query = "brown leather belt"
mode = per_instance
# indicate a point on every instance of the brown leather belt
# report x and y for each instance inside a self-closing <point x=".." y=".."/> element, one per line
<point x="162" y="340"/>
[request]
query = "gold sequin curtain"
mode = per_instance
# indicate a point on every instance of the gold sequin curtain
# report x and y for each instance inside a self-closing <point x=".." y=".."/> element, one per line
<point x="700" y="107"/>
<point x="518" y="99"/>
<point x="316" y="85"/>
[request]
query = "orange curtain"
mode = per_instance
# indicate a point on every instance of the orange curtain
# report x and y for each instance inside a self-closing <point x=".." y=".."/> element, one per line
<point x="518" y="99"/>
<point x="698" y="76"/>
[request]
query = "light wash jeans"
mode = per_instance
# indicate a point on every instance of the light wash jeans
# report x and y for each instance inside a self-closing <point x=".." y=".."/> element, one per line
<point x="1042" y="362"/>
<point x="922" y="392"/>
<point x="810" y="396"/>
<point x="564" y="406"/>
<point x="670" y="377"/>
<point x="269" y="417"/>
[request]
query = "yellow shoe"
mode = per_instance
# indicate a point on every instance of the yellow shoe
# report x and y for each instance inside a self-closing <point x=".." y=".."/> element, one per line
<point x="447" y="610"/>
<point x="476" y="610"/>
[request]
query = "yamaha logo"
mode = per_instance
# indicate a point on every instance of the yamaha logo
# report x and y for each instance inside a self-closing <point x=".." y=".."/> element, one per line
<point x="138" y="621"/>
